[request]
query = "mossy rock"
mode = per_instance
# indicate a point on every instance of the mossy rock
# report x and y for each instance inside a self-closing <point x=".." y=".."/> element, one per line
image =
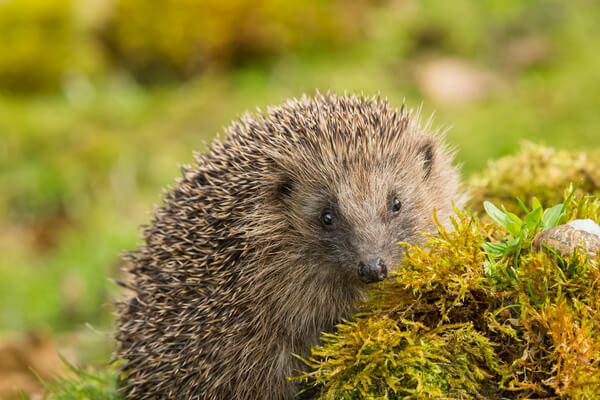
<point x="455" y="323"/>
<point x="537" y="171"/>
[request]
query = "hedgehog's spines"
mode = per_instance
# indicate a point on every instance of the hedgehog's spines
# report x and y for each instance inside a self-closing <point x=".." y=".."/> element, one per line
<point x="235" y="275"/>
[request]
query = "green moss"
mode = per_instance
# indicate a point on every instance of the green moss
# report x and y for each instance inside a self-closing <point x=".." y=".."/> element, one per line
<point x="537" y="171"/>
<point x="403" y="360"/>
<point x="446" y="327"/>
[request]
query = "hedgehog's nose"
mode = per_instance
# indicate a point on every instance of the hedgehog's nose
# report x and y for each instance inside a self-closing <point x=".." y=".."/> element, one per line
<point x="373" y="270"/>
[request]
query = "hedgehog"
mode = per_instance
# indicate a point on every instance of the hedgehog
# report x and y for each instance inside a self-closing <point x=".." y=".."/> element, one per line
<point x="272" y="237"/>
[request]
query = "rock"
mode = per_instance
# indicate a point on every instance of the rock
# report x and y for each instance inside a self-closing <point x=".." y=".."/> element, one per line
<point x="586" y="225"/>
<point x="453" y="81"/>
<point x="564" y="239"/>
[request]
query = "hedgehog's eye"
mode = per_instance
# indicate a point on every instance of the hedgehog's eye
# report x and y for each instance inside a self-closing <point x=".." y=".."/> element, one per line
<point x="327" y="218"/>
<point x="396" y="205"/>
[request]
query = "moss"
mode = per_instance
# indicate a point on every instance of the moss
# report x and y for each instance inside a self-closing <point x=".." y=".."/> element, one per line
<point x="454" y="323"/>
<point x="403" y="359"/>
<point x="535" y="171"/>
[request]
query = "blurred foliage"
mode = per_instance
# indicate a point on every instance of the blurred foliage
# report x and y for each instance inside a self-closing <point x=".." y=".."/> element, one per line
<point x="480" y="29"/>
<point x="182" y="37"/>
<point x="536" y="171"/>
<point x="43" y="42"/>
<point x="444" y="327"/>
<point x="36" y="37"/>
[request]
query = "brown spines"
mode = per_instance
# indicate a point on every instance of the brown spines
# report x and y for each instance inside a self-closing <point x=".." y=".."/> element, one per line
<point x="234" y="275"/>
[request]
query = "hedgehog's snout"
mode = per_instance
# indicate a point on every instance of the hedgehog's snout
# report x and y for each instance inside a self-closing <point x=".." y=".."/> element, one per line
<point x="373" y="270"/>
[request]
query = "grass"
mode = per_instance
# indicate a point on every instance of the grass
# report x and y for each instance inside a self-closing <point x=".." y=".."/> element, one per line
<point x="80" y="384"/>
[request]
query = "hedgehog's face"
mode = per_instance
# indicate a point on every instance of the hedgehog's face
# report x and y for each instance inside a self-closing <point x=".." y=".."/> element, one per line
<point x="350" y="224"/>
<point x="358" y="227"/>
<point x="360" y="237"/>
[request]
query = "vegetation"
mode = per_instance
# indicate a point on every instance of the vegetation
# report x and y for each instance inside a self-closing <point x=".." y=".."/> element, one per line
<point x="535" y="171"/>
<point x="80" y="384"/>
<point x="181" y="38"/>
<point x="455" y="323"/>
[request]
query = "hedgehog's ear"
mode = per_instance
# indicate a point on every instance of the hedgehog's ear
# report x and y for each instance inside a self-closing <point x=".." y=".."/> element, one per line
<point x="426" y="151"/>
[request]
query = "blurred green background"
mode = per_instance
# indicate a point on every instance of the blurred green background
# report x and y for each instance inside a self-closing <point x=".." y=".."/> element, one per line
<point x="100" y="101"/>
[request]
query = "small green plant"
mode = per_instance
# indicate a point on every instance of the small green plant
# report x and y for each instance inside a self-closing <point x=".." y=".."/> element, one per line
<point x="521" y="230"/>
<point x="80" y="384"/>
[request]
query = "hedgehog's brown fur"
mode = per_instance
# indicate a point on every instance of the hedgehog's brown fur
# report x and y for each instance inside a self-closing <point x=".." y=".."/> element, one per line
<point x="237" y="271"/>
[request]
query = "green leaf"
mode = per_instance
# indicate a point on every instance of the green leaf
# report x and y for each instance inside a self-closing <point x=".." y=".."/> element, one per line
<point x="552" y="216"/>
<point x="498" y="216"/>
<point x="514" y="224"/>
<point x="523" y="206"/>
<point x="533" y="219"/>
<point x="496" y="249"/>
<point x="535" y="203"/>
<point x="514" y="244"/>
<point x="507" y="220"/>
<point x="570" y="197"/>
